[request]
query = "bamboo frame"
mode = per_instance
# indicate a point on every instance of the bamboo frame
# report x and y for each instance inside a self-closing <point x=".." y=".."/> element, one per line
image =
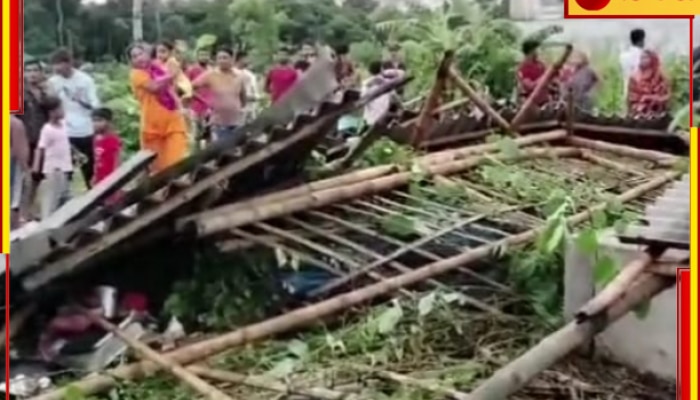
<point x="382" y="179"/>
<point x="223" y="218"/>
<point x="306" y="315"/>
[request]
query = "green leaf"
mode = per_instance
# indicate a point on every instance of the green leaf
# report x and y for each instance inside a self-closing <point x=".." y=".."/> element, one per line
<point x="454" y="297"/>
<point x="399" y="225"/>
<point x="426" y="304"/>
<point x="587" y="242"/>
<point x="620" y="226"/>
<point x="604" y="270"/>
<point x="73" y="393"/>
<point x="283" y="368"/>
<point x="509" y="148"/>
<point x="204" y="41"/>
<point x="298" y="348"/>
<point x="553" y="236"/>
<point x="642" y="310"/>
<point x="387" y="321"/>
<point x="599" y="219"/>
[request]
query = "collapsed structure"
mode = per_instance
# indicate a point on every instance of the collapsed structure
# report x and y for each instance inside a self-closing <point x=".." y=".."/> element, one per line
<point x="374" y="232"/>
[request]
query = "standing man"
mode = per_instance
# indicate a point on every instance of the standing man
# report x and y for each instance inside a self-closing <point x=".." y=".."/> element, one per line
<point x="250" y="82"/>
<point x="19" y="166"/>
<point x="229" y="96"/>
<point x="78" y="94"/>
<point x="629" y="59"/>
<point x="202" y="97"/>
<point x="280" y="78"/>
<point x="34" y="118"/>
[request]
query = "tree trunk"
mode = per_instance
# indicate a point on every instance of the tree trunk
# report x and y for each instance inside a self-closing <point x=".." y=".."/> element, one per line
<point x="59" y="22"/>
<point x="137" y="20"/>
<point x="156" y="10"/>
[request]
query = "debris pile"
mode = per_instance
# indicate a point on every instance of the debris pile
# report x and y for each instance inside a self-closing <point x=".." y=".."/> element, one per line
<point x="401" y="280"/>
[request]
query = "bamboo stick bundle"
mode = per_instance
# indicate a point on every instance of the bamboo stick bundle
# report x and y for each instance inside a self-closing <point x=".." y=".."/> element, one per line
<point x="269" y="384"/>
<point x="343" y="280"/>
<point x="383" y="170"/>
<point x="661" y="158"/>
<point x="451" y="154"/>
<point x="312" y="313"/>
<point x="311" y="187"/>
<point x="512" y="377"/>
<point x="221" y="219"/>
<point x="204" y="388"/>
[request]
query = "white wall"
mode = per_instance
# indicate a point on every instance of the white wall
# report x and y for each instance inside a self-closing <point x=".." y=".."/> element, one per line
<point x="648" y="344"/>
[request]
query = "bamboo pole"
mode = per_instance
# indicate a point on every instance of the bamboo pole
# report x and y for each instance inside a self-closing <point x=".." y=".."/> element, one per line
<point x="615" y="289"/>
<point x="410" y="381"/>
<point x="515" y="375"/>
<point x="310" y="187"/>
<point x="167" y="364"/>
<point x="607" y="163"/>
<point x="383" y="170"/>
<point x="661" y="158"/>
<point x="445" y="107"/>
<point x="17" y="321"/>
<point x="221" y="219"/>
<point x="433" y="100"/>
<point x="311" y="313"/>
<point x="541" y="86"/>
<point x="344" y="280"/>
<point x="451" y="154"/>
<point x="366" y="141"/>
<point x="570" y="111"/>
<point x="392" y="263"/>
<point x="269" y="384"/>
<point x="476" y="99"/>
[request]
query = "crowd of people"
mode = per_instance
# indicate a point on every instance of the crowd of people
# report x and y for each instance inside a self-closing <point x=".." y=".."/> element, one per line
<point x="65" y="130"/>
<point x="646" y="89"/>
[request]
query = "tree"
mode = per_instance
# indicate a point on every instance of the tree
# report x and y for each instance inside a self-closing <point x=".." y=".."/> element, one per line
<point x="468" y="29"/>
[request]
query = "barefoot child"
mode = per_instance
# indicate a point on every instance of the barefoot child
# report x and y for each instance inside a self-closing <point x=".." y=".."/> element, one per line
<point x="54" y="162"/>
<point x="108" y="144"/>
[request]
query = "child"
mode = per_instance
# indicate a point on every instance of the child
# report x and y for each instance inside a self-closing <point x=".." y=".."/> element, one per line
<point x="54" y="162"/>
<point x="107" y="144"/>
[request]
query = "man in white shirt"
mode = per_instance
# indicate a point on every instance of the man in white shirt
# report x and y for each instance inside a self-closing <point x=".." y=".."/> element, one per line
<point x="251" y="85"/>
<point x="78" y="94"/>
<point x="629" y="59"/>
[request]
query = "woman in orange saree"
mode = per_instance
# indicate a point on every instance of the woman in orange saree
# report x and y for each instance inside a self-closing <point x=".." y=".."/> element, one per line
<point x="163" y="126"/>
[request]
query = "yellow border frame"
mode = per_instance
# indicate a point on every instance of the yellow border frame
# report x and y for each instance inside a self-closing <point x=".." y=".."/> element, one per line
<point x="5" y="244"/>
<point x="693" y="263"/>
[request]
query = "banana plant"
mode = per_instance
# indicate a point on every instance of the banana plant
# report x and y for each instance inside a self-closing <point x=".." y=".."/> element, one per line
<point x="681" y="119"/>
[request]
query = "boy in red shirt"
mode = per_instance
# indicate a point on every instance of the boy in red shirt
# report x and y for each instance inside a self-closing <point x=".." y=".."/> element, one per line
<point x="107" y="144"/>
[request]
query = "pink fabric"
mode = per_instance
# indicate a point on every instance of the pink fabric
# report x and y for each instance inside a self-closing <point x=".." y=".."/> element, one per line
<point x="202" y="96"/>
<point x="165" y="97"/>
<point x="53" y="139"/>
<point x="279" y="80"/>
<point x="108" y="147"/>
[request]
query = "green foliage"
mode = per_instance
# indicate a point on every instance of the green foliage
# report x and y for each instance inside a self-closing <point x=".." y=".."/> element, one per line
<point x="111" y="80"/>
<point x="228" y="290"/>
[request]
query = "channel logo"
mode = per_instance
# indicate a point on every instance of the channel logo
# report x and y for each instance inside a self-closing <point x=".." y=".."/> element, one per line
<point x="593" y="5"/>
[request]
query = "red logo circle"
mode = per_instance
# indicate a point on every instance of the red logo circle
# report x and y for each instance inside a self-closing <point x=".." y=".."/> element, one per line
<point x="592" y="5"/>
